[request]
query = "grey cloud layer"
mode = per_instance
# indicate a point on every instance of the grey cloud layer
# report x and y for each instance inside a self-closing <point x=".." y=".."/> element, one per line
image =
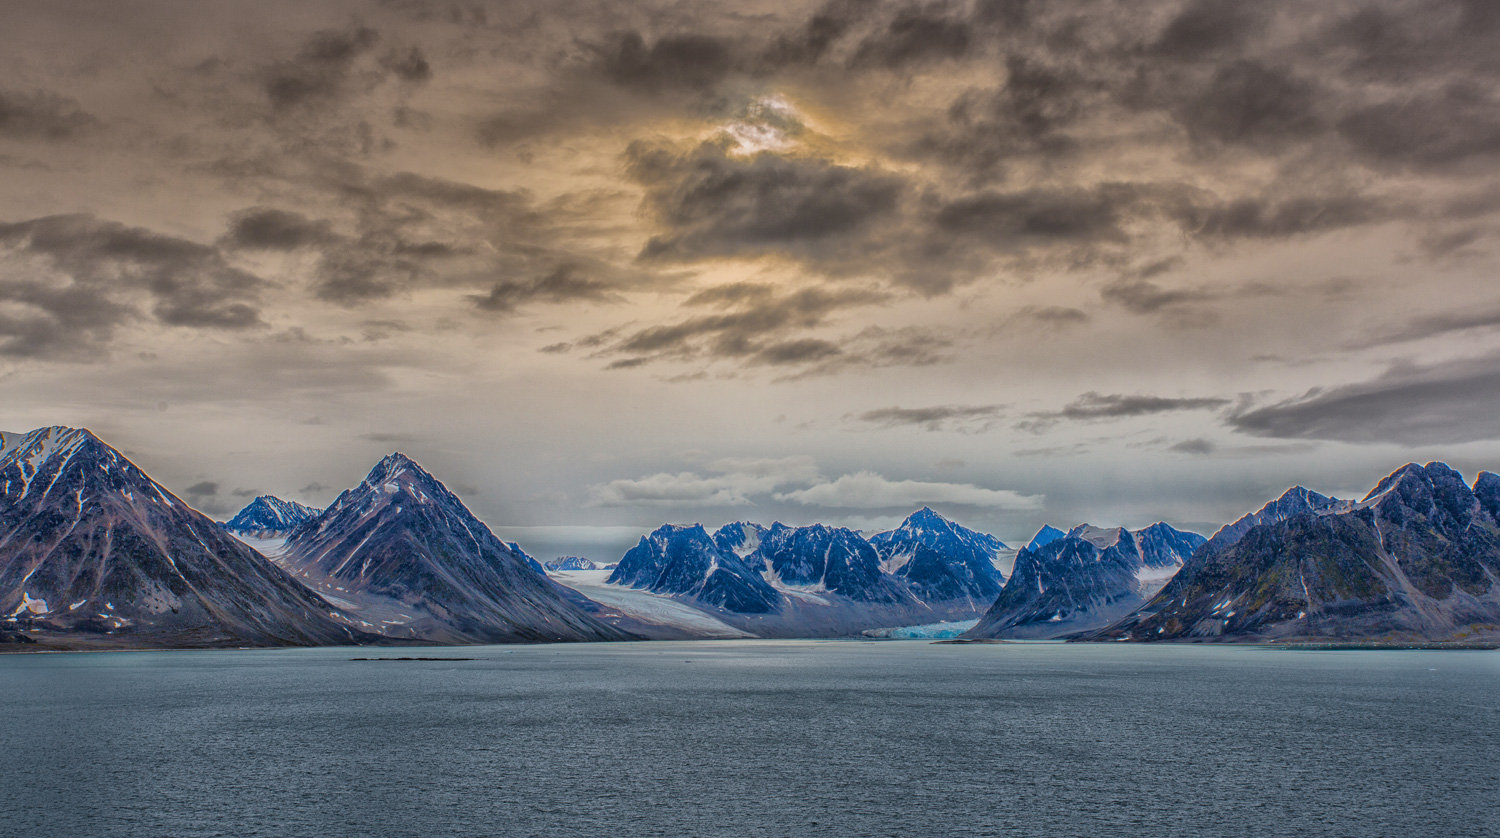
<point x="1450" y="402"/>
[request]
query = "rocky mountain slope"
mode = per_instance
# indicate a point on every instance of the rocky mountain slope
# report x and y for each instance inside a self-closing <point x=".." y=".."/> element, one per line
<point x="941" y="561"/>
<point x="1085" y="579"/>
<point x="818" y="581"/>
<point x="269" y="517"/>
<point x="94" y="553"/>
<point x="1418" y="559"/>
<point x="404" y="554"/>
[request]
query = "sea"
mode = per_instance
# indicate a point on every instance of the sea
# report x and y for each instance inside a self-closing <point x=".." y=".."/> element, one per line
<point x="886" y="739"/>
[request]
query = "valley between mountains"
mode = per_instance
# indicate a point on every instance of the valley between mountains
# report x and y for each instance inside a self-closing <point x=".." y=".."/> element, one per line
<point x="94" y="554"/>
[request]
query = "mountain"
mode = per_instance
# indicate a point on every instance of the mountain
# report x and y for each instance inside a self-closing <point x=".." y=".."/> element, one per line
<point x="1044" y="536"/>
<point x="571" y="563"/>
<point x="1163" y="546"/>
<point x="269" y="517"/>
<point x="1084" y="579"/>
<point x="821" y="559"/>
<point x="1417" y="559"/>
<point x="941" y="560"/>
<point x="740" y="538"/>
<point x="408" y="557"/>
<point x="813" y="581"/>
<point x="1294" y="501"/>
<point x="530" y="562"/>
<point x="685" y="561"/>
<point x="94" y="553"/>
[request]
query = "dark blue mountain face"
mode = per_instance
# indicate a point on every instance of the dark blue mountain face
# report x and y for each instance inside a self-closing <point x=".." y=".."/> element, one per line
<point x="1416" y="559"/>
<point x="530" y="562"/>
<point x="1085" y="580"/>
<point x="1163" y="546"/>
<point x="941" y="560"/>
<point x="269" y="516"/>
<point x="1044" y="536"/>
<point x="740" y="538"/>
<point x="685" y="561"/>
<point x="833" y="559"/>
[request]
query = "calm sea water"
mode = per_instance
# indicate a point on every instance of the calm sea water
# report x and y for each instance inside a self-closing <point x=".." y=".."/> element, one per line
<point x="753" y="739"/>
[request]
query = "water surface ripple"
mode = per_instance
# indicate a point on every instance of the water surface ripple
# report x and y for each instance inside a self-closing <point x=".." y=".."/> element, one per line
<point x="752" y="738"/>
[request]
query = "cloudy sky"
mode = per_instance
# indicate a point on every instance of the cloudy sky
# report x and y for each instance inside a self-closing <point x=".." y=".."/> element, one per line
<point x="600" y="265"/>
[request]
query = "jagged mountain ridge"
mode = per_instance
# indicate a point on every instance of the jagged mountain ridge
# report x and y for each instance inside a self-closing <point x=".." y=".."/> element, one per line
<point x="409" y="556"/>
<point x="1418" y="559"/>
<point x="270" y="517"/>
<point x="941" y="560"/>
<point x="685" y="561"/>
<point x="93" y="551"/>
<point x="812" y="581"/>
<point x="1086" y="578"/>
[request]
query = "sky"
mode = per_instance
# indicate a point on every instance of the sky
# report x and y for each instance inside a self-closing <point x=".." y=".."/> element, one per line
<point x="604" y="265"/>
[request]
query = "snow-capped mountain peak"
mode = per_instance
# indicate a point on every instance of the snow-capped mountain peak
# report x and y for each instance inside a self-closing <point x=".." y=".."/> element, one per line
<point x="269" y="514"/>
<point x="1044" y="536"/>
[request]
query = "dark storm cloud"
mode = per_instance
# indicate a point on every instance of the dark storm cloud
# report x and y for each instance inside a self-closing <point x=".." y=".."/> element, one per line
<point x="1266" y="218"/>
<point x="1007" y="220"/>
<point x="98" y="272"/>
<point x="935" y="418"/>
<point x="1144" y="297"/>
<point x="1051" y="316"/>
<point x="1199" y="446"/>
<point x="320" y="70"/>
<point x="714" y="204"/>
<point x="688" y="60"/>
<point x="814" y="37"/>
<point x="560" y="286"/>
<point x="1204" y="29"/>
<point x="268" y="228"/>
<point x="387" y="437"/>
<point x="1458" y="124"/>
<point x="204" y="496"/>
<point x="409" y="65"/>
<point x="1451" y="402"/>
<point x="800" y="351"/>
<point x="395" y="233"/>
<point x="744" y="332"/>
<point x="1247" y="102"/>
<point x="40" y="115"/>
<point x="916" y="33"/>
<point x="875" y="347"/>
<point x="1094" y="407"/>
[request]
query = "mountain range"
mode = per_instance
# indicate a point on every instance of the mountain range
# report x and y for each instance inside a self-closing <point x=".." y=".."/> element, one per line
<point x="269" y="517"/>
<point x="96" y="554"/>
<point x="1417" y="559"/>
<point x="1085" y="578"/>
<point x="816" y="581"/>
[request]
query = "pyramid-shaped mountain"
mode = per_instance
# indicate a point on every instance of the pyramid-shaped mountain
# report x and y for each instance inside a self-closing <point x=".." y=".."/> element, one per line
<point x="1417" y="560"/>
<point x="941" y="560"/>
<point x="93" y="552"/>
<point x="1086" y="579"/>
<point x="269" y="517"/>
<point x="408" y="557"/>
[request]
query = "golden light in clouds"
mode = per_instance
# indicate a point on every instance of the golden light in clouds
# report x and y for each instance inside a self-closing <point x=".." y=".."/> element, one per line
<point x="561" y="246"/>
